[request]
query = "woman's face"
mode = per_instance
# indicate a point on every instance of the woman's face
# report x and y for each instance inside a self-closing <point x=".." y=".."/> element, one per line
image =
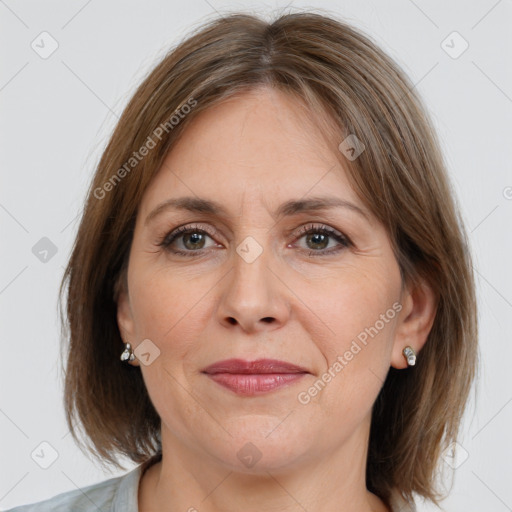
<point x="256" y="276"/>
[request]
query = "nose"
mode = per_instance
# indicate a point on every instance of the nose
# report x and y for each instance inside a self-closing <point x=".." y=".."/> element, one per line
<point x="253" y="297"/>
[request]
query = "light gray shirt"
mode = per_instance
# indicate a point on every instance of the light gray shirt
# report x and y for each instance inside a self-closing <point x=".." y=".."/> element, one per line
<point x="120" y="494"/>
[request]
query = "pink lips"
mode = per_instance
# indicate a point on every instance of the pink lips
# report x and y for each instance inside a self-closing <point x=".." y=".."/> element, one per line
<point x="254" y="377"/>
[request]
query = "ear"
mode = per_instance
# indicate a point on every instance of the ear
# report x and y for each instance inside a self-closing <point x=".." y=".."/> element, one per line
<point x="125" y="320"/>
<point x="415" y="321"/>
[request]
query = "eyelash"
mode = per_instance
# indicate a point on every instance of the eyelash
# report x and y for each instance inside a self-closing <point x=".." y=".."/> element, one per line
<point x="169" y="238"/>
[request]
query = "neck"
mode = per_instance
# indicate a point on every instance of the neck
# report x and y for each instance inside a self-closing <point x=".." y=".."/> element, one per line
<point x="193" y="481"/>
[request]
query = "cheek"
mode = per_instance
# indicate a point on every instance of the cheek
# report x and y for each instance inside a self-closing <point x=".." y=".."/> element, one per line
<point x="161" y="307"/>
<point x="361" y="314"/>
<point x="173" y="311"/>
<point x="165" y="311"/>
<point x="357" y="302"/>
<point x="154" y="307"/>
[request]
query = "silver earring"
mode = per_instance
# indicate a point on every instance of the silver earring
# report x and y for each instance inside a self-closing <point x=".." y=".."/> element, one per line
<point x="127" y="354"/>
<point x="410" y="355"/>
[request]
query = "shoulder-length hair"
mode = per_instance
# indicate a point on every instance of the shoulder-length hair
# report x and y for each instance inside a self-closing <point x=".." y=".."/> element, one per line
<point x="346" y="80"/>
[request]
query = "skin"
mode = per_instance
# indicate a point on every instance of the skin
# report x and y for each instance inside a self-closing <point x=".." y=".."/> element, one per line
<point x="251" y="154"/>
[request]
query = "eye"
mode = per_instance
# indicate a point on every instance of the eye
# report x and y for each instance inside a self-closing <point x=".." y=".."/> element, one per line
<point x="189" y="239"/>
<point x="318" y="238"/>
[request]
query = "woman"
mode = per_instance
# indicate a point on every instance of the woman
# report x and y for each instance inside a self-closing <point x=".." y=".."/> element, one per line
<point x="272" y="248"/>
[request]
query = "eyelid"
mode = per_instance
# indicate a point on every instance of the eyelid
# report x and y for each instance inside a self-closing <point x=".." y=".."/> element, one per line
<point x="342" y="240"/>
<point x="320" y="226"/>
<point x="184" y="228"/>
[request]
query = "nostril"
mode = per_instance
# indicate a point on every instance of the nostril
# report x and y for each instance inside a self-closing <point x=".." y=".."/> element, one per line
<point x="267" y="319"/>
<point x="231" y="320"/>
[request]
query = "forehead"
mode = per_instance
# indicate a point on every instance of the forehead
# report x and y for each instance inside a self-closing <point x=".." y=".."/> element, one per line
<point x="261" y="143"/>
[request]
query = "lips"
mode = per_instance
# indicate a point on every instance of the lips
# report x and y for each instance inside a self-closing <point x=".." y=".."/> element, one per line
<point x="254" y="377"/>
<point x="260" y="366"/>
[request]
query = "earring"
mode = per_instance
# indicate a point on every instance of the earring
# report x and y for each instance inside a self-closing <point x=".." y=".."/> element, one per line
<point x="410" y="355"/>
<point x="127" y="354"/>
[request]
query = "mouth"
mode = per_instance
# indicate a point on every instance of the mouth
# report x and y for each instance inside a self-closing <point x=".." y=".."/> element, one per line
<point x="254" y="377"/>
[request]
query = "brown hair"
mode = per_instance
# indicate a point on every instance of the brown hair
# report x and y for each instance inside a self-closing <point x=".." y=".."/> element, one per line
<point x="342" y="76"/>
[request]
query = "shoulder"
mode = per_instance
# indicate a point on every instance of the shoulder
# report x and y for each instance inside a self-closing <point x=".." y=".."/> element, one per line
<point x="112" y="495"/>
<point x="399" y="504"/>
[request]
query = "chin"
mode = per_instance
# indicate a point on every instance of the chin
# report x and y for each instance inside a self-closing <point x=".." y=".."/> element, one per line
<point x="261" y="450"/>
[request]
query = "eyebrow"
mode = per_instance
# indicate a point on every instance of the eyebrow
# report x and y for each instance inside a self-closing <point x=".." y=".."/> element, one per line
<point x="289" y="208"/>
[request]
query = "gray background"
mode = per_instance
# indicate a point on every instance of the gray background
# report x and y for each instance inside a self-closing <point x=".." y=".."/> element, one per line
<point x="56" y="115"/>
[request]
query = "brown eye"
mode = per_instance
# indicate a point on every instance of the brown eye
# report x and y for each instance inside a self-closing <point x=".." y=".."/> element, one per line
<point x="318" y="238"/>
<point x="193" y="240"/>
<point x="187" y="241"/>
